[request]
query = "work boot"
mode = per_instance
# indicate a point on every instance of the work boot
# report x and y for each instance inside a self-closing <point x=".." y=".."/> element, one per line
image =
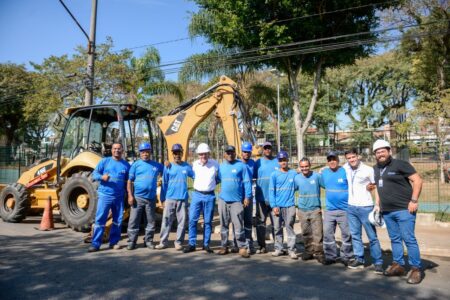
<point x="320" y="259"/>
<point x="160" y="247"/>
<point x="131" y="246"/>
<point x="395" y="270"/>
<point x="92" y="249"/>
<point x="208" y="250"/>
<point x="307" y="256"/>
<point x="378" y="269"/>
<point x="327" y="262"/>
<point x="356" y="264"/>
<point x="189" y="249"/>
<point x="223" y="251"/>
<point x="261" y="250"/>
<point x="243" y="252"/>
<point x="415" y="276"/>
<point x="251" y="250"/>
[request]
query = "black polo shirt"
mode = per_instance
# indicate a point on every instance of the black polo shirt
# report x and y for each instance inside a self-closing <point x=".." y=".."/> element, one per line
<point x="396" y="190"/>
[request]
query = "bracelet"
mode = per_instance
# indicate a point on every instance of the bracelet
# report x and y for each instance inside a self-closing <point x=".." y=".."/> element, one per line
<point x="414" y="201"/>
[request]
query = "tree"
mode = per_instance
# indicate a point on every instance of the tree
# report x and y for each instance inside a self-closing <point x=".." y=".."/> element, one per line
<point x="271" y="32"/>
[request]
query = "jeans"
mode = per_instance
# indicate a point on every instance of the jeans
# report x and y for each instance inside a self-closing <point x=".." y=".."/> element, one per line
<point x="139" y="207"/>
<point x="400" y="226"/>
<point x="357" y="219"/>
<point x="104" y="204"/>
<point x="201" y="203"/>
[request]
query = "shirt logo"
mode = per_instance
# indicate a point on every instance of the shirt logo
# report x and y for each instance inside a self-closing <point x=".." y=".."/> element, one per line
<point x="392" y="173"/>
<point x="290" y="180"/>
<point x="184" y="172"/>
<point x="155" y="168"/>
<point x="340" y="180"/>
<point x="276" y="168"/>
<point x="312" y="182"/>
<point x="234" y="171"/>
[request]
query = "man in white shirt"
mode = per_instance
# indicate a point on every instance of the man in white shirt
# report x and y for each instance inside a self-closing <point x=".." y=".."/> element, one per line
<point x="360" y="204"/>
<point x="203" y="197"/>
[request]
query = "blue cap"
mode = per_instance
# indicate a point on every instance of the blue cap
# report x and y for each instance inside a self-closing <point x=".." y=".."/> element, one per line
<point x="230" y="148"/>
<point x="332" y="154"/>
<point x="145" y="146"/>
<point x="247" y="147"/>
<point x="177" y="147"/>
<point x="282" y="154"/>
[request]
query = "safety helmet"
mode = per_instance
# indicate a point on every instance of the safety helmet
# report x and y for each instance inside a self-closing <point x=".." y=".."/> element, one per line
<point x="177" y="147"/>
<point x="381" y="144"/>
<point x="376" y="219"/>
<point x="247" y="147"/>
<point x="202" y="148"/>
<point x="145" y="146"/>
<point x="282" y="154"/>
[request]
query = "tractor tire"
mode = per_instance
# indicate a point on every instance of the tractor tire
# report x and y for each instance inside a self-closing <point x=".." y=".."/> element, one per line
<point x="14" y="203"/>
<point x="78" y="201"/>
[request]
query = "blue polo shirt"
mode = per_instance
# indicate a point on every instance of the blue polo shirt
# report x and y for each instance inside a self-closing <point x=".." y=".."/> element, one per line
<point x="336" y="188"/>
<point x="282" y="189"/>
<point x="118" y="176"/>
<point x="144" y="174"/>
<point x="263" y="169"/>
<point x="308" y="191"/>
<point x="235" y="181"/>
<point x="174" y="184"/>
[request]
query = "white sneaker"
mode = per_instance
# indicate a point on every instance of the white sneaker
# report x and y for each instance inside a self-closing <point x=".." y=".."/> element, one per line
<point x="160" y="247"/>
<point x="293" y="255"/>
<point x="178" y="247"/>
<point x="277" y="253"/>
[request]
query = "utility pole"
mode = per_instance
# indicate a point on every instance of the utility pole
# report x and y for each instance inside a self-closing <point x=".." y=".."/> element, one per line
<point x="89" y="93"/>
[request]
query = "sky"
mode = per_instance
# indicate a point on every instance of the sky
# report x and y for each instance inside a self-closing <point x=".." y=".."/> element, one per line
<point x="32" y="30"/>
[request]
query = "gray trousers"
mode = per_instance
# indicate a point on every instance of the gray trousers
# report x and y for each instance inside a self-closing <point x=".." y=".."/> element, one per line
<point x="312" y="228"/>
<point x="262" y="212"/>
<point x="172" y="209"/>
<point x="233" y="212"/>
<point x="286" y="217"/>
<point x="333" y="218"/>
<point x="137" y="209"/>
<point x="248" y="227"/>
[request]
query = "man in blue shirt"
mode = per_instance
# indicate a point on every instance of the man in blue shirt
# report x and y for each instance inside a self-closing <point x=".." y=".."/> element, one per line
<point x="235" y="194"/>
<point x="282" y="202"/>
<point x="263" y="169"/>
<point x="310" y="211"/>
<point x="174" y="195"/>
<point x="112" y="174"/>
<point x="334" y="180"/>
<point x="142" y="184"/>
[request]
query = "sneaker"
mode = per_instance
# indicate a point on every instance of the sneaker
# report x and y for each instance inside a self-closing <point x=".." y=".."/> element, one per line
<point x="92" y="249"/>
<point x="131" y="246"/>
<point x="307" y="256"/>
<point x="378" y="269"/>
<point x="261" y="250"/>
<point x="223" y="251"/>
<point x="114" y="247"/>
<point x="251" y="251"/>
<point x="327" y="262"/>
<point x="160" y="247"/>
<point x="293" y="255"/>
<point x="415" y="276"/>
<point x="346" y="262"/>
<point x="189" y="249"/>
<point x="356" y="264"/>
<point x="394" y="270"/>
<point x="243" y="253"/>
<point x="150" y="245"/>
<point x="277" y="253"/>
<point x="208" y="250"/>
<point x="178" y="247"/>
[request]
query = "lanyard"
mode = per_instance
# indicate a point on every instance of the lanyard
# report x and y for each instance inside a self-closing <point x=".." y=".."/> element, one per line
<point x="353" y="174"/>
<point x="382" y="171"/>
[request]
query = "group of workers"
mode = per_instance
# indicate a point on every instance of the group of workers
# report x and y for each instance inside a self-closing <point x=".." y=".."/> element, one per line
<point x="349" y="193"/>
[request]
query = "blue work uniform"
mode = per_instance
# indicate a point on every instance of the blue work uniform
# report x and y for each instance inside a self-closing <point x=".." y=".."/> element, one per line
<point x="110" y="197"/>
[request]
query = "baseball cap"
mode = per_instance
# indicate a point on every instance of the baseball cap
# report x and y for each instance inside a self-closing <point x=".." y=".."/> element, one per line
<point x="332" y="154"/>
<point x="282" y="154"/>
<point x="177" y="147"/>
<point x="230" y="148"/>
<point x="267" y="144"/>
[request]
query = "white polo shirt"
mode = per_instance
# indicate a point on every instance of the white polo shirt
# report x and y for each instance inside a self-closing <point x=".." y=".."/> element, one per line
<point x="205" y="175"/>
<point x="358" y="179"/>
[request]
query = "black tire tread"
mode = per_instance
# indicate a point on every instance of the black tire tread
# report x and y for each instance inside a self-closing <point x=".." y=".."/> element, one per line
<point x="22" y="204"/>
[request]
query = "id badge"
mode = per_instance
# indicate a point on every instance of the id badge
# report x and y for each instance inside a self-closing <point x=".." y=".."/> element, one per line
<point x="380" y="183"/>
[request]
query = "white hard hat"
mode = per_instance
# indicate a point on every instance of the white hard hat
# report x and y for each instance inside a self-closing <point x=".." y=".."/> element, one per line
<point x="381" y="144"/>
<point x="376" y="219"/>
<point x="202" y="148"/>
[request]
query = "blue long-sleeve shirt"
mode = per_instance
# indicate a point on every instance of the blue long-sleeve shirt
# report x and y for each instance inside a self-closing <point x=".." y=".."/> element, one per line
<point x="308" y="191"/>
<point x="235" y="181"/>
<point x="118" y="176"/>
<point x="144" y="174"/>
<point x="282" y="189"/>
<point x="336" y="188"/>
<point x="174" y="184"/>
<point x="262" y="171"/>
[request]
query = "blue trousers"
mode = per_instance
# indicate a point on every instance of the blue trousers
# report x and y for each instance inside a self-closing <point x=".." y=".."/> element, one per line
<point x="105" y="203"/>
<point x="201" y="203"/>
<point x="358" y="217"/>
<point x="400" y="226"/>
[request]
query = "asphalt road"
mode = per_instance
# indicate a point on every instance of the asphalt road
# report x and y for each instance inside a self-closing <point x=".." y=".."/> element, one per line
<point x="56" y="265"/>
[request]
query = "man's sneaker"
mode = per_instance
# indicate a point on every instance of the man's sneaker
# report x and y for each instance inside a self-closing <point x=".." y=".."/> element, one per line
<point x="178" y="247"/>
<point x="277" y="252"/>
<point x="378" y="269"/>
<point x="345" y="262"/>
<point x="189" y="249"/>
<point x="114" y="247"/>
<point x="394" y="270"/>
<point x="307" y="256"/>
<point x="223" y="251"/>
<point x="131" y="246"/>
<point x="415" y="276"/>
<point x="234" y="250"/>
<point x="150" y="245"/>
<point x="356" y="264"/>
<point x="243" y="252"/>
<point x="92" y="249"/>
<point x="261" y="250"/>
<point x="293" y="255"/>
<point x="208" y="250"/>
<point x="327" y="262"/>
<point x="160" y="247"/>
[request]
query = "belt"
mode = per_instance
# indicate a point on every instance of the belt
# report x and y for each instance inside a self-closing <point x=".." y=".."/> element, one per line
<point x="204" y="192"/>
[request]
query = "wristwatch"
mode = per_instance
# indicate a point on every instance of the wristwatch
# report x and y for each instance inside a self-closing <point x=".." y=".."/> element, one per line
<point x="414" y="201"/>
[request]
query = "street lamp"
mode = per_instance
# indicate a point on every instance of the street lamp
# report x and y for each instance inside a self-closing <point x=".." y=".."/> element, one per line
<point x="278" y="74"/>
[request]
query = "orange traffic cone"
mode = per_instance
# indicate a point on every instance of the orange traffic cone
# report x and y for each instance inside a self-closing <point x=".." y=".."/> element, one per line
<point x="47" y="217"/>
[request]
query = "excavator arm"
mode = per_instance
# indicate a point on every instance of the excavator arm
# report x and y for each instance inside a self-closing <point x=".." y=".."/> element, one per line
<point x="179" y="125"/>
